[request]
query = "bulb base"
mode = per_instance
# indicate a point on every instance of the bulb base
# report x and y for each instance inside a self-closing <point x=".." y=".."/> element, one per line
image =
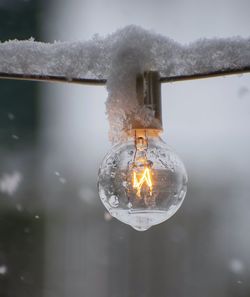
<point x="142" y="132"/>
<point x="148" y="92"/>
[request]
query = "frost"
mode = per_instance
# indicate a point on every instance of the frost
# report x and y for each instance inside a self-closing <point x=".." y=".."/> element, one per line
<point x="119" y="57"/>
<point x="10" y="182"/>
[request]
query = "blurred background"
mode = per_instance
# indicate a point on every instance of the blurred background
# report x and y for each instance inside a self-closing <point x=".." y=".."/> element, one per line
<point x="56" y="239"/>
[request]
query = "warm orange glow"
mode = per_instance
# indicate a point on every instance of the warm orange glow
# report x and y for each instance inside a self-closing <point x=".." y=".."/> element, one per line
<point x="145" y="178"/>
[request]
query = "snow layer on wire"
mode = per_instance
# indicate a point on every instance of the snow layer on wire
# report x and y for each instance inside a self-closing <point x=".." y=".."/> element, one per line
<point x="96" y="58"/>
<point x="118" y="58"/>
<point x="68" y="59"/>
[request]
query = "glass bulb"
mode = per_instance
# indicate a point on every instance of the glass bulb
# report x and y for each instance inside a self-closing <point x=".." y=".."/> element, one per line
<point x="142" y="182"/>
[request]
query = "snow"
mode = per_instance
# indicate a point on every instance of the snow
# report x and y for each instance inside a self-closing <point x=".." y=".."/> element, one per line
<point x="19" y="207"/>
<point x="101" y="57"/>
<point x="14" y="136"/>
<point x="11" y="116"/>
<point x="9" y="182"/>
<point x="3" y="269"/>
<point x="118" y="57"/>
<point x="71" y="60"/>
<point x="61" y="179"/>
<point x="236" y="266"/>
<point x="87" y="195"/>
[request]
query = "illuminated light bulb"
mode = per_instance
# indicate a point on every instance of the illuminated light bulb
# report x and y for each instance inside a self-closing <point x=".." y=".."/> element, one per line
<point x="142" y="186"/>
<point x="142" y="182"/>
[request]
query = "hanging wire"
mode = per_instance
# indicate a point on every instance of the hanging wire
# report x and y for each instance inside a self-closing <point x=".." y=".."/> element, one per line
<point x="200" y="75"/>
<point x="101" y="82"/>
<point x="52" y="78"/>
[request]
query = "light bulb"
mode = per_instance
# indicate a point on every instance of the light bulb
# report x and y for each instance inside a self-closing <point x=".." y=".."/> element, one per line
<point x="142" y="182"/>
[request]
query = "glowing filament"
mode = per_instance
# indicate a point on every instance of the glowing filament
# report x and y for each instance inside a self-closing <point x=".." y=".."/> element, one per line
<point x="145" y="178"/>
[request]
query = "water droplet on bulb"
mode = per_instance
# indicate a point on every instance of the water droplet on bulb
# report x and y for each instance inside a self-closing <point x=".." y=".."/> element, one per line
<point x="129" y="205"/>
<point x="113" y="201"/>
